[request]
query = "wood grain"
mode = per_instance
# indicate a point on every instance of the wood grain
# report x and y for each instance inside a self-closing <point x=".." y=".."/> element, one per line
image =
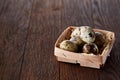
<point x="105" y="16"/>
<point x="29" y="29"/>
<point x="39" y="61"/>
<point x="77" y="12"/>
<point x="14" y="21"/>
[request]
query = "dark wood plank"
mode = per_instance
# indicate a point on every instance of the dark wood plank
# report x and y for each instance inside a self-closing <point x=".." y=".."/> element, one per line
<point x="78" y="13"/>
<point x="14" y="22"/>
<point x="34" y="60"/>
<point x="39" y="60"/>
<point x="106" y="15"/>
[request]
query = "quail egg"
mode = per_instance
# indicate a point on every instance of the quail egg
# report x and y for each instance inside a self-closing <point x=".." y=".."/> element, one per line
<point x="90" y="48"/>
<point x="87" y="34"/>
<point x="76" y="40"/>
<point x="68" y="45"/>
<point x="100" y="39"/>
<point x="76" y="32"/>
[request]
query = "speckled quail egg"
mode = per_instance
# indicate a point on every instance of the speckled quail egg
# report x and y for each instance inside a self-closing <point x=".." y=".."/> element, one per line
<point x="76" y="40"/>
<point x="68" y="45"/>
<point x="100" y="39"/>
<point x="87" y="34"/>
<point x="90" y="48"/>
<point x="76" y="32"/>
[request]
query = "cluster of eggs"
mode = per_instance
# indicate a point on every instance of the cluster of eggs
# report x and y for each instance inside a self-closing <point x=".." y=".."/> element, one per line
<point x="84" y="38"/>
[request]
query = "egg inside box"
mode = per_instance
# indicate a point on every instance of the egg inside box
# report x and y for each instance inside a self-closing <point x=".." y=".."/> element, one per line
<point x="87" y="60"/>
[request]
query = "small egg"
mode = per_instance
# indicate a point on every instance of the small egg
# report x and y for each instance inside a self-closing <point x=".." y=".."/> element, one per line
<point x="76" y="40"/>
<point x="87" y="34"/>
<point x="90" y="48"/>
<point x="68" y="45"/>
<point x="76" y="32"/>
<point x="100" y="39"/>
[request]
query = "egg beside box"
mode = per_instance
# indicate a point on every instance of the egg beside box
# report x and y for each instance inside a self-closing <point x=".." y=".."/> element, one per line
<point x="87" y="50"/>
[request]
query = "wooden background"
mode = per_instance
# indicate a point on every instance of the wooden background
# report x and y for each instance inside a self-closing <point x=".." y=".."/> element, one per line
<point x="29" y="29"/>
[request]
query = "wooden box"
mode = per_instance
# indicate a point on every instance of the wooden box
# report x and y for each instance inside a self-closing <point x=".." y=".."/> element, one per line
<point x="87" y="60"/>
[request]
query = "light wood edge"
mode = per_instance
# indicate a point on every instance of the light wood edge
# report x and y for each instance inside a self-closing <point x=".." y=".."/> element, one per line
<point x="108" y="48"/>
<point x="83" y="63"/>
<point x="83" y="60"/>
